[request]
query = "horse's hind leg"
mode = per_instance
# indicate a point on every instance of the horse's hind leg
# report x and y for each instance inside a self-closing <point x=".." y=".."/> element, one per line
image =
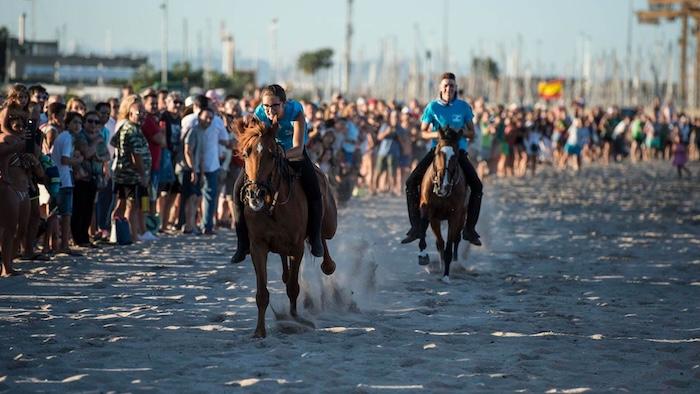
<point x="328" y="265"/>
<point x="285" y="268"/>
<point x="293" y="283"/>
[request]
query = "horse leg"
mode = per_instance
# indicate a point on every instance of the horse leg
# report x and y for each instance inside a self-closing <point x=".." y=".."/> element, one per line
<point x="285" y="268"/>
<point x="455" y="249"/>
<point x="293" y="284"/>
<point x="439" y="241"/>
<point x="423" y="258"/>
<point x="262" y="296"/>
<point x="448" y="257"/>
<point x="328" y="265"/>
<point x="453" y="236"/>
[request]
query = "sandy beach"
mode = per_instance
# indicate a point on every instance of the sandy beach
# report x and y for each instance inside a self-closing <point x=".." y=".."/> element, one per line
<point x="585" y="282"/>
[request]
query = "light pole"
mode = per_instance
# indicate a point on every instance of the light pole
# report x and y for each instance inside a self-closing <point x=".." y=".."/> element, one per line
<point x="164" y="44"/>
<point x="348" y="45"/>
<point x="273" y="49"/>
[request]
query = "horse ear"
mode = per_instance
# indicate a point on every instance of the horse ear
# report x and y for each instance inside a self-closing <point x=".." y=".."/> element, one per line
<point x="240" y="125"/>
<point x="441" y="133"/>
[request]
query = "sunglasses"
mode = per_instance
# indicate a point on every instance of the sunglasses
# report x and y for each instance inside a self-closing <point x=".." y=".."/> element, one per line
<point x="92" y="121"/>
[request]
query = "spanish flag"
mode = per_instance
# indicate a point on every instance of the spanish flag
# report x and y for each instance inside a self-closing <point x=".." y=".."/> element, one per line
<point x="551" y="89"/>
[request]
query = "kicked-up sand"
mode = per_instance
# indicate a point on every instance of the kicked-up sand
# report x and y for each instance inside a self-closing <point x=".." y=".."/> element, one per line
<point x="585" y="282"/>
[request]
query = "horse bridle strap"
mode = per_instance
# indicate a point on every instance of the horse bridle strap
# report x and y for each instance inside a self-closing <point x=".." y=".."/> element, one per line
<point x="436" y="180"/>
<point x="283" y="173"/>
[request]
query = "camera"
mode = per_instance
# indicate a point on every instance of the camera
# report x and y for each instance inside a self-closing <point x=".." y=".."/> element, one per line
<point x="30" y="142"/>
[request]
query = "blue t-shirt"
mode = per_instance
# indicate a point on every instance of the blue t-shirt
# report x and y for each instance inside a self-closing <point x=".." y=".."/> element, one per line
<point x="455" y="114"/>
<point x="285" y="134"/>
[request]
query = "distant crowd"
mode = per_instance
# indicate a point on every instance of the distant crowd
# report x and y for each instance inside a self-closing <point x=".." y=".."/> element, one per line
<point x="72" y="172"/>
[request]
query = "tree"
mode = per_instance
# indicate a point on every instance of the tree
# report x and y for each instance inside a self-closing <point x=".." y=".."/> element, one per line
<point x="311" y="62"/>
<point x="486" y="67"/>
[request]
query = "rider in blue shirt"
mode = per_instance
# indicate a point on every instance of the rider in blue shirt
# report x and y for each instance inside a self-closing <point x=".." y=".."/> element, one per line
<point x="446" y="110"/>
<point x="440" y="114"/>
<point x="291" y="135"/>
<point x="290" y="114"/>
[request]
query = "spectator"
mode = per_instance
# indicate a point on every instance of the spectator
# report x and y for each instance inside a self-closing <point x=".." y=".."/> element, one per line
<point x="132" y="169"/>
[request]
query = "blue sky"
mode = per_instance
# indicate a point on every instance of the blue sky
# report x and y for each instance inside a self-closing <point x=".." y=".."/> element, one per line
<point x="549" y="29"/>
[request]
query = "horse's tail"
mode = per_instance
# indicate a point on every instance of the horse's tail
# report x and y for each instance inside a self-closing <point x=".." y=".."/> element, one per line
<point x="329" y="223"/>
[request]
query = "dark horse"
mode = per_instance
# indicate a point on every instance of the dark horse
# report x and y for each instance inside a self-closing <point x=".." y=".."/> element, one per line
<point x="276" y="212"/>
<point x="443" y="197"/>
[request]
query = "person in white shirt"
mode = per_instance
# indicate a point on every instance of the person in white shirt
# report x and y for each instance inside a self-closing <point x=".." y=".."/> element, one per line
<point x="64" y="157"/>
<point x="215" y="137"/>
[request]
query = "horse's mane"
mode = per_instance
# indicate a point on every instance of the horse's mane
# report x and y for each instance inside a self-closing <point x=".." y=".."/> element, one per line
<point x="250" y="130"/>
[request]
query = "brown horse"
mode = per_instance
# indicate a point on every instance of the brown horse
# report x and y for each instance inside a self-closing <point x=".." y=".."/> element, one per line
<point x="276" y="212"/>
<point x="443" y="197"/>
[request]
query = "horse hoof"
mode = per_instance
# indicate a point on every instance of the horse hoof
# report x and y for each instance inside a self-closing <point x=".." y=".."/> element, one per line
<point x="259" y="334"/>
<point x="328" y="267"/>
<point x="423" y="260"/>
<point x="445" y="279"/>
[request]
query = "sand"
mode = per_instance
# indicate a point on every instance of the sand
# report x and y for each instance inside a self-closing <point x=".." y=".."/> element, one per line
<point x="585" y="282"/>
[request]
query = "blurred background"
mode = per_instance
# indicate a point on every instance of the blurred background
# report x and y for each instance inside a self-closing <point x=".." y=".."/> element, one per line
<point x="606" y="51"/>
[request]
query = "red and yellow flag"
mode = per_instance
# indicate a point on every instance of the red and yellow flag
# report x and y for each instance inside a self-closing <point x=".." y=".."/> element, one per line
<point x="551" y="89"/>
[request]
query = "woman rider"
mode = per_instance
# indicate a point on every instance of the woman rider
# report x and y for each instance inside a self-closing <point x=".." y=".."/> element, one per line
<point x="291" y="135"/>
<point x="446" y="110"/>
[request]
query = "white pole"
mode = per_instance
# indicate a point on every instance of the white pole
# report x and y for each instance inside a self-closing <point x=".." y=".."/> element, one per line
<point x="164" y="44"/>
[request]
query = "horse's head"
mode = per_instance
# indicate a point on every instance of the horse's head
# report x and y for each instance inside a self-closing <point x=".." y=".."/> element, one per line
<point x="261" y="155"/>
<point x="449" y="134"/>
<point x="445" y="163"/>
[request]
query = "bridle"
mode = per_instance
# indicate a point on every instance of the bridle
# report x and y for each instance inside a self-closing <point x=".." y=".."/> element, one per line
<point x="437" y="181"/>
<point x="281" y="173"/>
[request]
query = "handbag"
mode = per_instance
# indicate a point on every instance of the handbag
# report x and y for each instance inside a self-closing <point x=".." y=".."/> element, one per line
<point x="121" y="233"/>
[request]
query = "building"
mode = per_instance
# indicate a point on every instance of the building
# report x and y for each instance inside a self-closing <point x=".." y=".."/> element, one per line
<point x="40" y="61"/>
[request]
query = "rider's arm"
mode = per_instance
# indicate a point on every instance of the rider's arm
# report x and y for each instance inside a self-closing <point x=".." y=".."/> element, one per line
<point x="425" y="134"/>
<point x="469" y="130"/>
<point x="297" y="151"/>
